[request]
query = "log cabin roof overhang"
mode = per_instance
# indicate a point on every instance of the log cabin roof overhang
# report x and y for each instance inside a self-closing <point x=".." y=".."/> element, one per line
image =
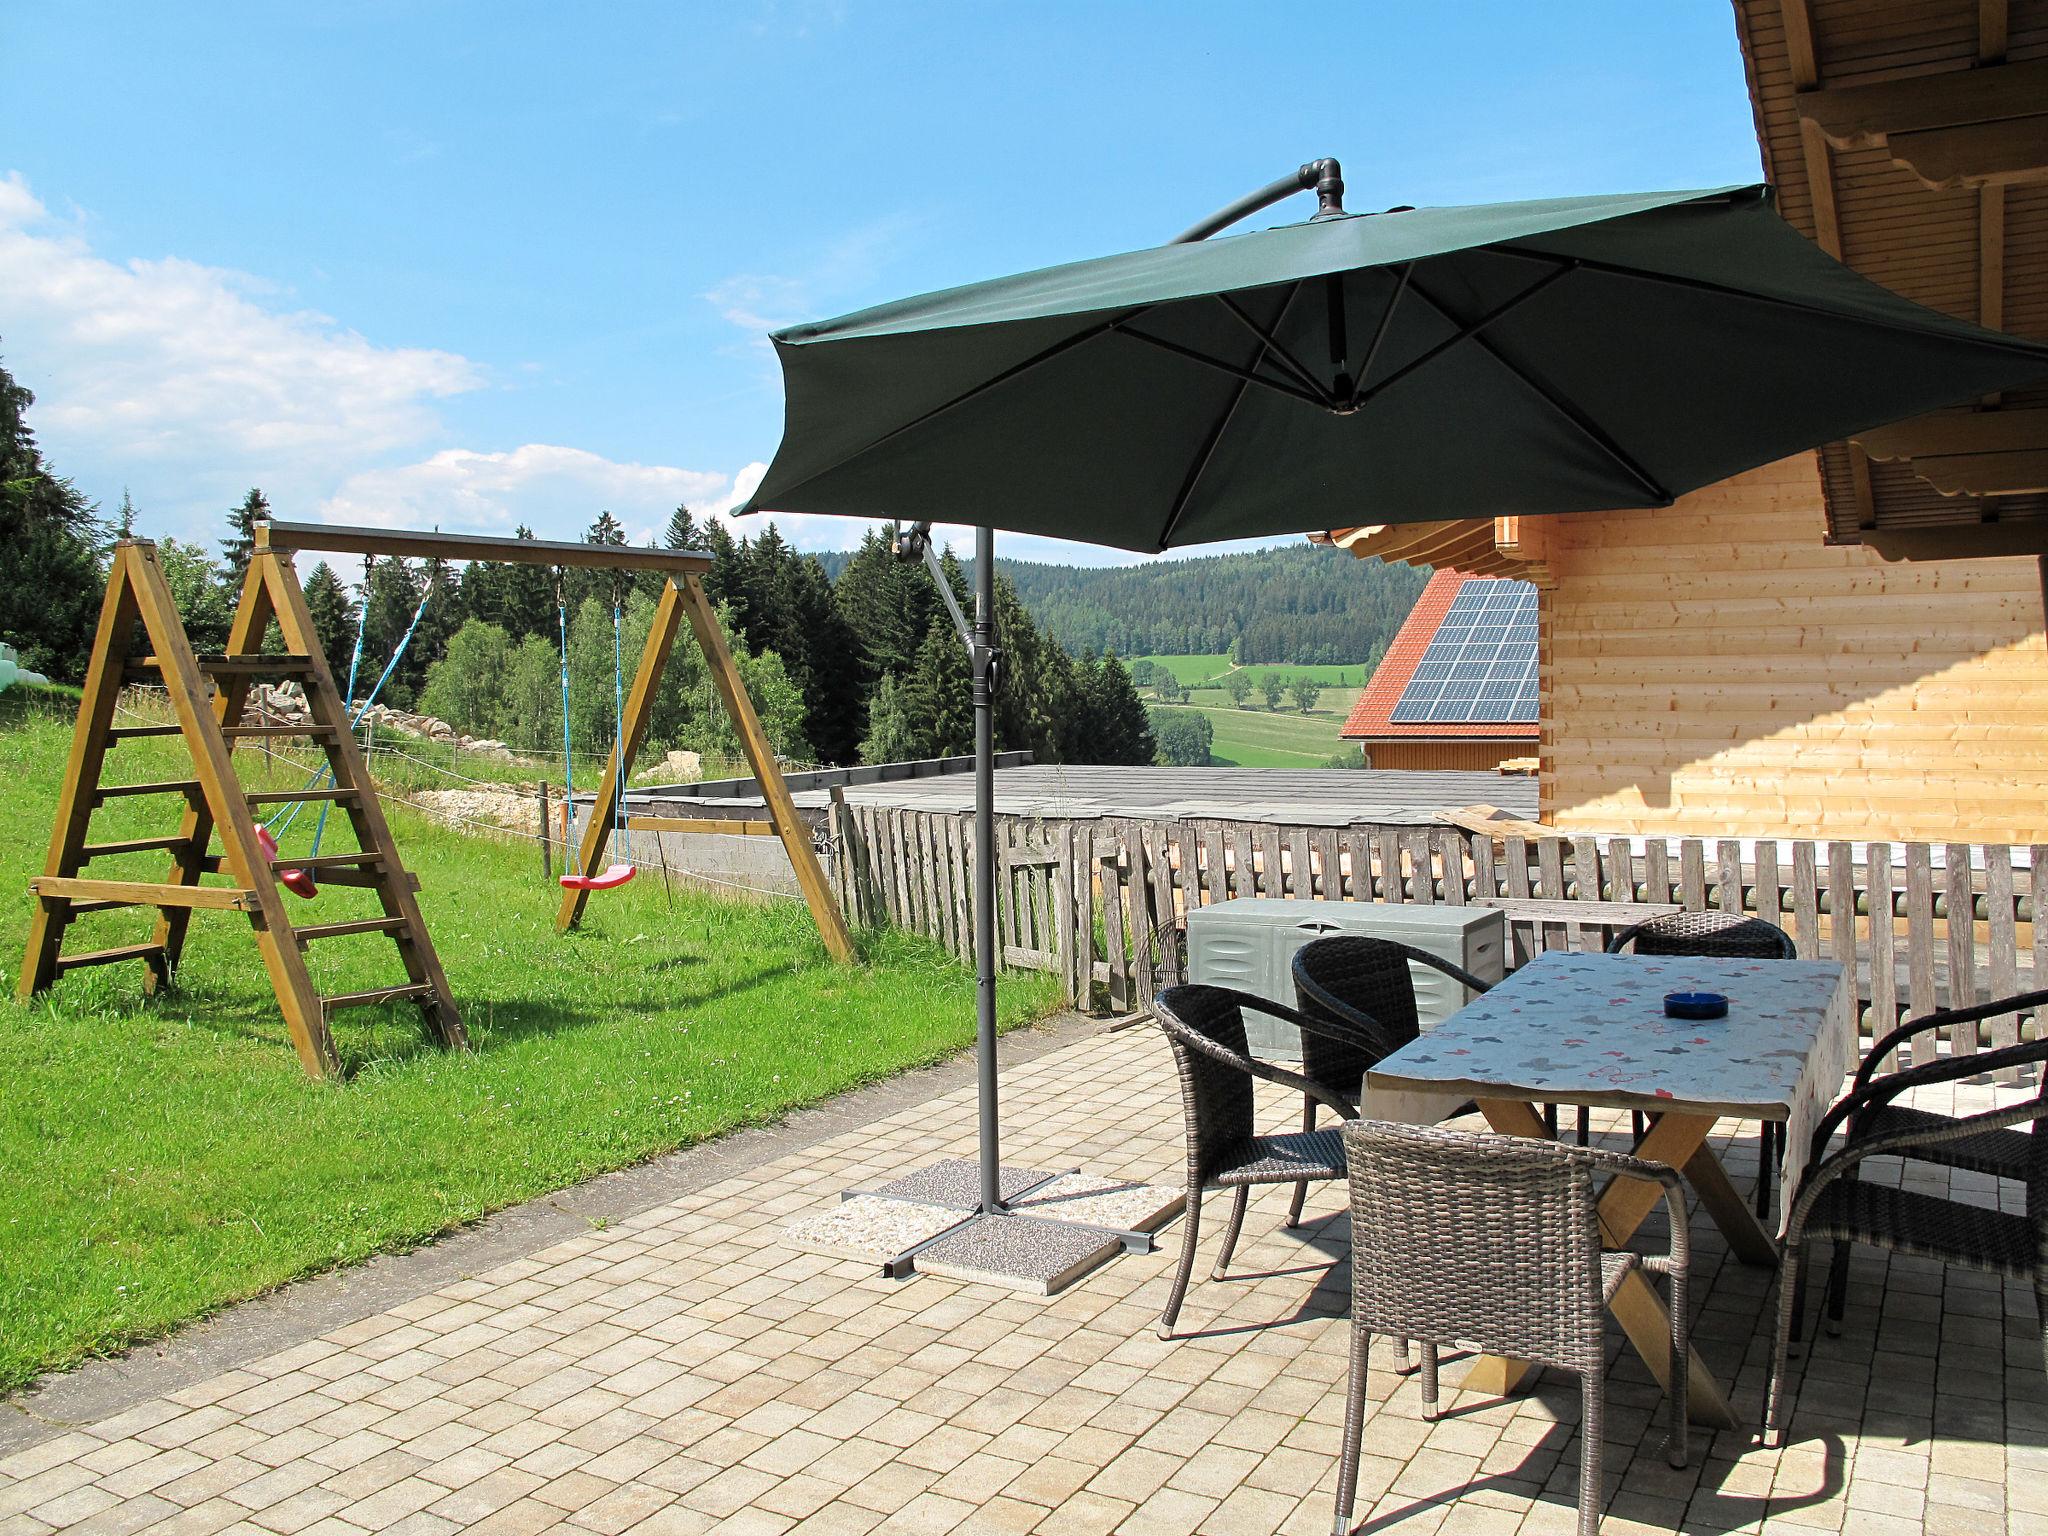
<point x="1909" y="139"/>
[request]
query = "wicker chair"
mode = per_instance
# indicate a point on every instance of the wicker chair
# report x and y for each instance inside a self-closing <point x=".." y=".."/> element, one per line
<point x="1363" y="988"/>
<point x="1716" y="936"/>
<point x="1205" y="1027"/>
<point x="1834" y="1204"/>
<point x="1870" y="1109"/>
<point x="1494" y="1241"/>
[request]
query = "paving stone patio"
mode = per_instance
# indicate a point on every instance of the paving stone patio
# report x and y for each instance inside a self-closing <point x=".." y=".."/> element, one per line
<point x="684" y="1371"/>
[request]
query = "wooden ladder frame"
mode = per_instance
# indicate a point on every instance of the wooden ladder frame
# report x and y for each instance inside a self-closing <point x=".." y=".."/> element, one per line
<point x="680" y="600"/>
<point x="215" y="802"/>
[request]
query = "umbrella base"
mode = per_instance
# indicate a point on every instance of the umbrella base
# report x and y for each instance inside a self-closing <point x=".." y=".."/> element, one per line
<point x="1055" y="1228"/>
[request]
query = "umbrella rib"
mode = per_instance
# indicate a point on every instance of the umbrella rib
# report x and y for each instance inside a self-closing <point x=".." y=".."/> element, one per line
<point x="1722" y="290"/>
<point x="1248" y="375"/>
<point x="1200" y="466"/>
<point x="1587" y="427"/>
<point x="1380" y="333"/>
<point x="1280" y="352"/>
<point x="1468" y="330"/>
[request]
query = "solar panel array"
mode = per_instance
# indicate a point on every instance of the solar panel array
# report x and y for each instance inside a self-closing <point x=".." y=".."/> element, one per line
<point x="1480" y="667"/>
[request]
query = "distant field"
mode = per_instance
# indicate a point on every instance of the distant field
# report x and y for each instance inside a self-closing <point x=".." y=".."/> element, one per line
<point x="1252" y="738"/>
<point x="1256" y="737"/>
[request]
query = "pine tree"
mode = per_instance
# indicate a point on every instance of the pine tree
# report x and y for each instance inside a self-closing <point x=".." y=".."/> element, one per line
<point x="334" y="619"/>
<point x="393" y="596"/>
<point x="240" y="543"/>
<point x="526" y="599"/>
<point x="682" y="531"/>
<point x="438" y="623"/>
<point x="1107" y="719"/>
<point x="124" y="516"/>
<point x="49" y="600"/>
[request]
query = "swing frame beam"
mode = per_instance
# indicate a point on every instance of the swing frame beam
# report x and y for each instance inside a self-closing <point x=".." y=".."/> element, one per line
<point x="682" y="597"/>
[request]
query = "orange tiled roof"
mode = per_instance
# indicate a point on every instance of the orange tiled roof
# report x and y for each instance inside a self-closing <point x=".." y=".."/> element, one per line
<point x="1372" y="716"/>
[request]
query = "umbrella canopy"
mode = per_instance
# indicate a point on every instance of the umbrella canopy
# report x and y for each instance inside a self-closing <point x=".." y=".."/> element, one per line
<point x="1422" y="364"/>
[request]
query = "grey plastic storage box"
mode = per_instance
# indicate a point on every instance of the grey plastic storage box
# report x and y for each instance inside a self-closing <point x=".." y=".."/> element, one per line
<point x="1249" y="944"/>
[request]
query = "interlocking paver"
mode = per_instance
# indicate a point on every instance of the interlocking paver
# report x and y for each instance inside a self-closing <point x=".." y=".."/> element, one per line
<point x="683" y="1372"/>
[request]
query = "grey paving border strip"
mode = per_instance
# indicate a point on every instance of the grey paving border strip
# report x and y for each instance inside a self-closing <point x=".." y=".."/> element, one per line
<point x="249" y="1330"/>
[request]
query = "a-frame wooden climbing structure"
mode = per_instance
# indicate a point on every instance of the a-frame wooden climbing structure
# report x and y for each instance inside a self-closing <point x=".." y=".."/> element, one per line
<point x="207" y="695"/>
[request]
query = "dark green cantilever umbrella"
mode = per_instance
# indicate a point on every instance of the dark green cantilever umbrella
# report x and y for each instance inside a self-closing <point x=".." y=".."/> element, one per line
<point x="1409" y="366"/>
<point x="1426" y="363"/>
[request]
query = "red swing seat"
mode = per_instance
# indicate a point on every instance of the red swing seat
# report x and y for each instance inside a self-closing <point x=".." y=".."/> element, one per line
<point x="298" y="881"/>
<point x="610" y="878"/>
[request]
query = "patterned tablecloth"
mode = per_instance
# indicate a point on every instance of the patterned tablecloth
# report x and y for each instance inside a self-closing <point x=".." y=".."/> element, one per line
<point x="1591" y="1029"/>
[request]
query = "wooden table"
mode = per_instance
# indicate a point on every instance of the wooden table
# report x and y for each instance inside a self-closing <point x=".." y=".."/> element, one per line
<point x="1591" y="1029"/>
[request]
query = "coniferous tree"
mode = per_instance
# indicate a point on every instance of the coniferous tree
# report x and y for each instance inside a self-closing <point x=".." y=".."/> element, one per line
<point x="526" y="598"/>
<point x="682" y="531"/>
<point x="124" y="516"/>
<point x="236" y="548"/>
<point x="438" y="623"/>
<point x="394" y="595"/>
<point x="334" y="619"/>
<point x="49" y="601"/>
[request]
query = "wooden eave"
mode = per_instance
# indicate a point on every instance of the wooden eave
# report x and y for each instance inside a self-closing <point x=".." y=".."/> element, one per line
<point x="1478" y="546"/>
<point x="1909" y="138"/>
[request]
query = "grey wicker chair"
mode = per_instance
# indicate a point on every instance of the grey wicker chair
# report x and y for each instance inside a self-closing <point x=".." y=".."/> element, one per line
<point x="1494" y="1241"/>
<point x="1835" y="1204"/>
<point x="1205" y="1027"/>
<point x="1716" y="936"/>
<point x="1363" y="988"/>
<point x="1870" y="1109"/>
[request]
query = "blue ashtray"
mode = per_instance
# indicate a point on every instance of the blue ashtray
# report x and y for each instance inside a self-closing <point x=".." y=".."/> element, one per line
<point x="1695" y="1005"/>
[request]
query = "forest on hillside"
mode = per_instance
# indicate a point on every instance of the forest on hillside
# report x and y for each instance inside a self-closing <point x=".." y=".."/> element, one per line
<point x="1303" y="604"/>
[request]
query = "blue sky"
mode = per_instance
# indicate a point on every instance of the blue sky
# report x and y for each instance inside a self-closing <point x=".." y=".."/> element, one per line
<point x="472" y="264"/>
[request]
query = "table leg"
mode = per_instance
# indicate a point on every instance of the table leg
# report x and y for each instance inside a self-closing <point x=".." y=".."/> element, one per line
<point x="1677" y="1139"/>
<point x="1747" y="1239"/>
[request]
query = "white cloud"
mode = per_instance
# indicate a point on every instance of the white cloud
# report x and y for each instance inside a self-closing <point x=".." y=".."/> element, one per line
<point x="554" y="490"/>
<point x="169" y="361"/>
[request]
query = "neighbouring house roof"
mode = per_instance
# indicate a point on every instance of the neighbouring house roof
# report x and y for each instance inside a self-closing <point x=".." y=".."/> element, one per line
<point x="1417" y="695"/>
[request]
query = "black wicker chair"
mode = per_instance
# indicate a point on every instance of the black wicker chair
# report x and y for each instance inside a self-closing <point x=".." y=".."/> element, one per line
<point x="1205" y="1027"/>
<point x="1714" y="936"/>
<point x="1870" y="1109"/>
<point x="1834" y="1204"/>
<point x="1362" y="987"/>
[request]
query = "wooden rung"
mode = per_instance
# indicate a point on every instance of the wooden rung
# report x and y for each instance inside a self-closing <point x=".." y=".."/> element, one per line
<point x="322" y="861"/>
<point x="364" y="879"/>
<point x="106" y="792"/>
<point x="110" y="956"/>
<point x="242" y="665"/>
<point x="131" y="732"/>
<point x="144" y="893"/>
<point x="132" y="845"/>
<point x="312" y="931"/>
<point x="299" y="796"/>
<point x="416" y="991"/>
<point x="704" y="826"/>
<point x="308" y="729"/>
<point x="87" y="908"/>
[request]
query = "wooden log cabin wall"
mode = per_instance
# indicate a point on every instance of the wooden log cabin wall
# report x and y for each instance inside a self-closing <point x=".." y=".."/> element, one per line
<point x="1714" y="669"/>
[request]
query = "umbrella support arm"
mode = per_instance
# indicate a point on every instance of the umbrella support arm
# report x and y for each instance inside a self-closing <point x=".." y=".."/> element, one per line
<point x="1323" y="177"/>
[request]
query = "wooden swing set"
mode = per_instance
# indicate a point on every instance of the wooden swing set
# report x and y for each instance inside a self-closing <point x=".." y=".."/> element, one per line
<point x="208" y="695"/>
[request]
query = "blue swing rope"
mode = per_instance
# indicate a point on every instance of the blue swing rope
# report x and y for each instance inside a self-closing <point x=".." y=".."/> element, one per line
<point x="282" y="821"/>
<point x="621" y="836"/>
<point x="568" y="761"/>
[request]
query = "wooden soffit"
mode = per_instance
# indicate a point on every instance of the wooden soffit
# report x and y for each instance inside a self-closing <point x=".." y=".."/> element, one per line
<point x="1909" y="139"/>
<point x="1478" y="546"/>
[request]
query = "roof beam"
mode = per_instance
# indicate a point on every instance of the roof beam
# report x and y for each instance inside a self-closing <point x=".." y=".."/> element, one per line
<point x="1986" y="126"/>
<point x="1970" y="453"/>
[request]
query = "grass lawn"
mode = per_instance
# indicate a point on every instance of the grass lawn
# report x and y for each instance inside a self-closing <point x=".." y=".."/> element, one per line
<point x="163" y="1158"/>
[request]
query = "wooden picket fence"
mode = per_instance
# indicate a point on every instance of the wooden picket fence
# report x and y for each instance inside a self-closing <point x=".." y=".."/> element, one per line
<point x="1103" y="903"/>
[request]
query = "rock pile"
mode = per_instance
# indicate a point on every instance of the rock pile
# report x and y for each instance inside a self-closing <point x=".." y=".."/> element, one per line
<point x="285" y="704"/>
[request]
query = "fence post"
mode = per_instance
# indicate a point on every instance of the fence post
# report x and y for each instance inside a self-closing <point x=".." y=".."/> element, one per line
<point x="547" y="847"/>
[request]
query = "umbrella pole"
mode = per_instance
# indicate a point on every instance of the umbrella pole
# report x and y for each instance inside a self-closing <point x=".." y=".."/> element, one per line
<point x="982" y="654"/>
